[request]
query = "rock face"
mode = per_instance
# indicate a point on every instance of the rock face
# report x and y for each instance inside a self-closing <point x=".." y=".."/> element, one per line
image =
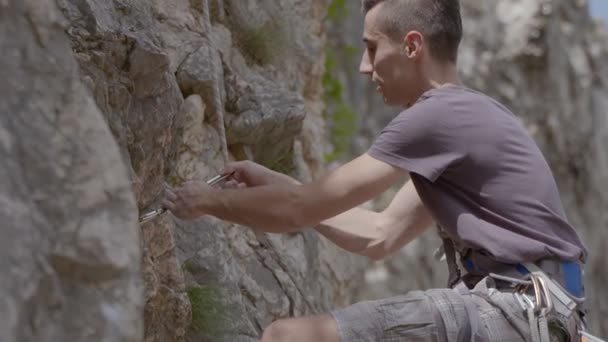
<point x="186" y="86"/>
<point x="546" y="60"/>
<point x="70" y="250"/>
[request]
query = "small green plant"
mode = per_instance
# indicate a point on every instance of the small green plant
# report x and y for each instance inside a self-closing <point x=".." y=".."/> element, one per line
<point x="331" y="85"/>
<point x="174" y="180"/>
<point x="208" y="311"/>
<point x="337" y="10"/>
<point x="283" y="163"/>
<point x="343" y="127"/>
<point x="187" y="266"/>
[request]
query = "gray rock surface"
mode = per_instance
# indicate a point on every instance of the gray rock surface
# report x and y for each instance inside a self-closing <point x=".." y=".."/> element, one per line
<point x="69" y="252"/>
<point x="186" y="86"/>
<point x="546" y="60"/>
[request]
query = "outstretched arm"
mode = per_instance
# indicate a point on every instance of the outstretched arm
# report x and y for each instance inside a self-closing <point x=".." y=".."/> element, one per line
<point x="288" y="207"/>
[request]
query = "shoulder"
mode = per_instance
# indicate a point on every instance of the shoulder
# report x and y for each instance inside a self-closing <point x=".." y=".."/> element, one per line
<point x="426" y="109"/>
<point x="433" y="110"/>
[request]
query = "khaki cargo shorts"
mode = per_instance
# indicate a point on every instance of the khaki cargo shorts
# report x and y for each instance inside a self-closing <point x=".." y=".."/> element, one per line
<point x="436" y="315"/>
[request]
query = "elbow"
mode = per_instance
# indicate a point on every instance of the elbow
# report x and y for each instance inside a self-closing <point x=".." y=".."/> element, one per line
<point x="380" y="248"/>
<point x="376" y="254"/>
<point x="377" y="250"/>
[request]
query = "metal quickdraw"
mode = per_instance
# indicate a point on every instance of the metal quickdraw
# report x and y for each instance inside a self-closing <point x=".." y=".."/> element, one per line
<point x="538" y="312"/>
<point x="152" y="214"/>
<point x="549" y="300"/>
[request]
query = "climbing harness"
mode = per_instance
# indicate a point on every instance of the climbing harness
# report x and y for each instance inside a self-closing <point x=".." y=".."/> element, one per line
<point x="152" y="214"/>
<point x="552" y="303"/>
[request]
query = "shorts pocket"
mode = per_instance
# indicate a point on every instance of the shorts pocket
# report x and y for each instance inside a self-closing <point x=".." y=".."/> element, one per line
<point x="409" y="319"/>
<point x="410" y="332"/>
<point x="497" y="328"/>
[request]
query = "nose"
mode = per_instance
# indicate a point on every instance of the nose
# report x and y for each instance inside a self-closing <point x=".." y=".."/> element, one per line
<point x="365" y="67"/>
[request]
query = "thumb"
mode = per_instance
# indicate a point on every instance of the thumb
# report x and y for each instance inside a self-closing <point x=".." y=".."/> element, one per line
<point x="230" y="168"/>
<point x="237" y="170"/>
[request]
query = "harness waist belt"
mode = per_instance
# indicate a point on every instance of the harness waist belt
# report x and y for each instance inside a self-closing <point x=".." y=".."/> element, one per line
<point x="568" y="274"/>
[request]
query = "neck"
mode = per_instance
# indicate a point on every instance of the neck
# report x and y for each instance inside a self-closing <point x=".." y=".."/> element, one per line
<point x="436" y="75"/>
<point x="440" y="75"/>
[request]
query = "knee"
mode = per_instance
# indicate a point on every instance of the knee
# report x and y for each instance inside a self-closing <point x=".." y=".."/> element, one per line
<point x="314" y="328"/>
<point x="277" y="331"/>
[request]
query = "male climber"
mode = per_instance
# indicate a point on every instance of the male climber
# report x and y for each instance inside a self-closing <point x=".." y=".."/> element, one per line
<point x="474" y="171"/>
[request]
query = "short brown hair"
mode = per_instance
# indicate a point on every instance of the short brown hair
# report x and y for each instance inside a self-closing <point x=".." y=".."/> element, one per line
<point x="438" y="20"/>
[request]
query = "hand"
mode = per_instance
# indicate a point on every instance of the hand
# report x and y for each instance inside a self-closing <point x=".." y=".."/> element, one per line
<point x="184" y="201"/>
<point x="248" y="174"/>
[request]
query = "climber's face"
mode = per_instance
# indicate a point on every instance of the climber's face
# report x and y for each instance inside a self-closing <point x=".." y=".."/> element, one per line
<point x="395" y="67"/>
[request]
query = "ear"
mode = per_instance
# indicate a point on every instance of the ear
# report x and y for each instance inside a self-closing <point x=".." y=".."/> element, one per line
<point x="413" y="44"/>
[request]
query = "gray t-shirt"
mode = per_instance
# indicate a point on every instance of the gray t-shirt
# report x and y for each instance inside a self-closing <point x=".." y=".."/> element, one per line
<point x="481" y="176"/>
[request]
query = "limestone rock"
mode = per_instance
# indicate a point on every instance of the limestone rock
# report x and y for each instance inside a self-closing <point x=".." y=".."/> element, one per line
<point x="200" y="73"/>
<point x="264" y="116"/>
<point x="199" y="157"/>
<point x="250" y="74"/>
<point x="70" y="247"/>
<point x="118" y="49"/>
<point x="262" y="276"/>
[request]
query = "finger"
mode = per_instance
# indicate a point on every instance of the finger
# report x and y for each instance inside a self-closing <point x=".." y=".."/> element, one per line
<point x="231" y="167"/>
<point x="168" y="205"/>
<point x="242" y="185"/>
<point x="170" y="195"/>
<point x="232" y="175"/>
<point x="238" y="169"/>
<point x="231" y="184"/>
<point x="226" y="185"/>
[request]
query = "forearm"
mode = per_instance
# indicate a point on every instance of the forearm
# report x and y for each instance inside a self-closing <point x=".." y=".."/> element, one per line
<point x="398" y="234"/>
<point x="372" y="234"/>
<point x="353" y="230"/>
<point x="274" y="177"/>
<point x="268" y="208"/>
<point x="378" y="235"/>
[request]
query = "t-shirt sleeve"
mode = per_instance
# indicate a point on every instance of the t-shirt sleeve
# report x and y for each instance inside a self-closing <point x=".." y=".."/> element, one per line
<point x="423" y="139"/>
